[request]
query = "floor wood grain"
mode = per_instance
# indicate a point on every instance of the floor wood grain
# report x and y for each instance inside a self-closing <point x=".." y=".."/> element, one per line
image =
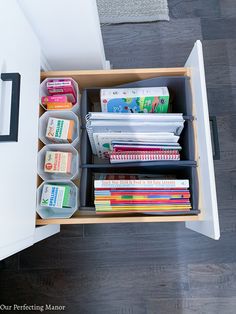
<point x="149" y="268"/>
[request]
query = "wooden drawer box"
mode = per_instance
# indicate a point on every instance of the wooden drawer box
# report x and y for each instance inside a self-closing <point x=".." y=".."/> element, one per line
<point x="207" y="221"/>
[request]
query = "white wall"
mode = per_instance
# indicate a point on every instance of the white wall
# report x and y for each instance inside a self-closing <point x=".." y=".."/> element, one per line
<point x="69" y="32"/>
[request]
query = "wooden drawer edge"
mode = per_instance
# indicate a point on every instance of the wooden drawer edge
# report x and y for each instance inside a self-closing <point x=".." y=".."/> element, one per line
<point x="99" y="220"/>
<point x="161" y="71"/>
<point x="105" y="78"/>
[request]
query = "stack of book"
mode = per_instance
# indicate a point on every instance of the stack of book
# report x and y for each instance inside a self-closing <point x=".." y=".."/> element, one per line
<point x="130" y="137"/>
<point x="151" y="196"/>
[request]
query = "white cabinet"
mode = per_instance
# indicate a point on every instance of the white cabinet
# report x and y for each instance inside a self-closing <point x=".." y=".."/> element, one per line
<point x="20" y="56"/>
<point x="20" y="53"/>
<point x="71" y="29"/>
<point x="209" y="226"/>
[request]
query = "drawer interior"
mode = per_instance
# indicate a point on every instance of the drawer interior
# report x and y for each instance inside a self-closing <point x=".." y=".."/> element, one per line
<point x="178" y="86"/>
<point x="177" y="80"/>
<point x="180" y="92"/>
<point x="186" y="154"/>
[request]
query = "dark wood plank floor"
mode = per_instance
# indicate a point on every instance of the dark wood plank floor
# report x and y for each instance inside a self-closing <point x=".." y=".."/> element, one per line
<point x="149" y="268"/>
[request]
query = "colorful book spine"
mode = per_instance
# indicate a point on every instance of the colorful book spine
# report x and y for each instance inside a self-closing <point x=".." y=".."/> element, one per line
<point x="141" y="183"/>
<point x="140" y="194"/>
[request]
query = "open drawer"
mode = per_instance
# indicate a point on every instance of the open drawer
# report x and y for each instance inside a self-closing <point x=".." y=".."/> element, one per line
<point x="207" y="221"/>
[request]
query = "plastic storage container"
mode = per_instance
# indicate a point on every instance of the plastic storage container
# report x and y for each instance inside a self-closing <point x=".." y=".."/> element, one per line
<point x="68" y="115"/>
<point x="44" y="92"/>
<point x="47" y="212"/>
<point x="74" y="168"/>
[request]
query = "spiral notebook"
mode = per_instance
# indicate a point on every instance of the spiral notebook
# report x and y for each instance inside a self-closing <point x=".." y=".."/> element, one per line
<point x="133" y="156"/>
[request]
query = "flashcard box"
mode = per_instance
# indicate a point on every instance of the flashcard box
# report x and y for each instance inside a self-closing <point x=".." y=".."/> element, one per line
<point x="62" y="87"/>
<point x="56" y="196"/>
<point x="60" y="130"/>
<point x="58" y="162"/>
<point x="135" y="100"/>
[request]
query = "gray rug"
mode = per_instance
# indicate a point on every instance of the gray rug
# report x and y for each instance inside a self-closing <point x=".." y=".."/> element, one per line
<point x="126" y="11"/>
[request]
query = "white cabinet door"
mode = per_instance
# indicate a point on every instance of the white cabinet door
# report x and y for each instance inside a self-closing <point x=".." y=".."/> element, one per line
<point x="69" y="33"/>
<point x="208" y="201"/>
<point x="20" y="64"/>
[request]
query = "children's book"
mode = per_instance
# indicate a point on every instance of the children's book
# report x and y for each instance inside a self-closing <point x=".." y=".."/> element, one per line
<point x="135" y="100"/>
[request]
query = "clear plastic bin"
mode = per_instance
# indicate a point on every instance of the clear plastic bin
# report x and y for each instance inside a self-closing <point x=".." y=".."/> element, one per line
<point x="74" y="171"/>
<point x="68" y="115"/>
<point x="44" y="92"/>
<point x="54" y="212"/>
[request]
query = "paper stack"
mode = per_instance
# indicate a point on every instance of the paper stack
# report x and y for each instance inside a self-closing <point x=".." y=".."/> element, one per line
<point x="125" y="137"/>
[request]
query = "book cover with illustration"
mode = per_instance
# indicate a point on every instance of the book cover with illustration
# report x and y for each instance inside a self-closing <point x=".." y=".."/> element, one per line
<point x="135" y="100"/>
